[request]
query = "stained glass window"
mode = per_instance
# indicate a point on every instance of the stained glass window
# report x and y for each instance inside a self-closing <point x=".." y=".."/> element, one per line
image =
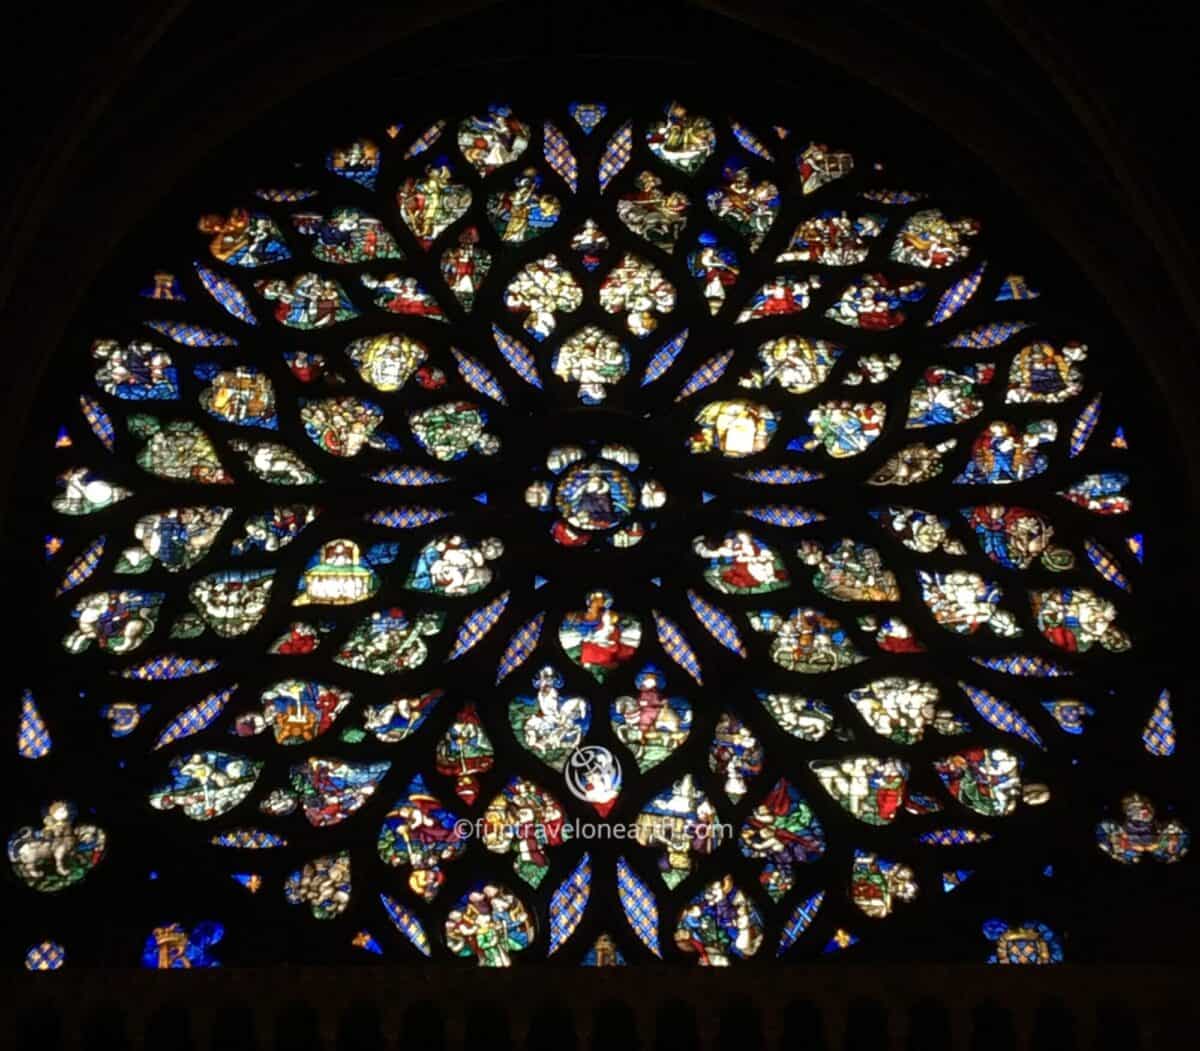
<point x="571" y="529"/>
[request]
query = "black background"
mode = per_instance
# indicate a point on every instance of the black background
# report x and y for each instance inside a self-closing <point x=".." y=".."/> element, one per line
<point x="1107" y="913"/>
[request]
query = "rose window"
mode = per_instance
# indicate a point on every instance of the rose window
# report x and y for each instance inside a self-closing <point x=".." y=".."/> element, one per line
<point x="534" y="469"/>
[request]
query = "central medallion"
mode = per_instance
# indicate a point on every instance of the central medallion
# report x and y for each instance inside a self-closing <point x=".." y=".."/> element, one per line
<point x="596" y="495"/>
